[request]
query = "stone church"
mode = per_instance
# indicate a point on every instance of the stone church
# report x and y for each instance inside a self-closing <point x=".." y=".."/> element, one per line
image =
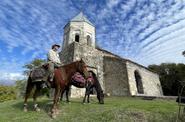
<point x="118" y="76"/>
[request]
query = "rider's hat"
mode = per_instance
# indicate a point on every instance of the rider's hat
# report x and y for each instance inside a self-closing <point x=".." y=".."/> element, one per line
<point x="55" y="45"/>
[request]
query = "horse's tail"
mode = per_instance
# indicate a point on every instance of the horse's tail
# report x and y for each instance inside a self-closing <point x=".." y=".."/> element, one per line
<point x="29" y="87"/>
<point x="29" y="80"/>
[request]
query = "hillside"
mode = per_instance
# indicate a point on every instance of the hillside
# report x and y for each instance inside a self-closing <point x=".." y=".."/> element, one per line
<point x="115" y="109"/>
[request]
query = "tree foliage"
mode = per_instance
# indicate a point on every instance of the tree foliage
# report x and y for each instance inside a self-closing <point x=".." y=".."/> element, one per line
<point x="7" y="93"/>
<point x="33" y="64"/>
<point x="170" y="76"/>
<point x="183" y="53"/>
<point x="21" y="84"/>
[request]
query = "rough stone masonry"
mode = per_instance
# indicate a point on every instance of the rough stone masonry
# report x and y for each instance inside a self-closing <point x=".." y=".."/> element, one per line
<point x="117" y="76"/>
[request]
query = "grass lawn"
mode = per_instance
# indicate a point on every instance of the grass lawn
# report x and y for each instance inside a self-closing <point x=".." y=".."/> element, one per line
<point x="115" y="109"/>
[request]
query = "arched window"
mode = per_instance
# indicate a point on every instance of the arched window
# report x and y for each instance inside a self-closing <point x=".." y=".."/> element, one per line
<point x="139" y="83"/>
<point x="89" y="40"/>
<point x="77" y="38"/>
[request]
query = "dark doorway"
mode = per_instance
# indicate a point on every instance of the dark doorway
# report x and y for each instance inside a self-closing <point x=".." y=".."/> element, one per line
<point x="139" y="83"/>
<point x="77" y="37"/>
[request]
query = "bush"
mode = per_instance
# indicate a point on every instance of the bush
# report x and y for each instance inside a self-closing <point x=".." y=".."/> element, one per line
<point x="7" y="93"/>
<point x="170" y="75"/>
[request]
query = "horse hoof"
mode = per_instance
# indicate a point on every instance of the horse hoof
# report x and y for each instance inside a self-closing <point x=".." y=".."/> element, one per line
<point x="49" y="113"/>
<point x="84" y="103"/>
<point x="69" y="102"/>
<point x="57" y="112"/>
<point x="37" y="109"/>
<point x="53" y="116"/>
<point x="25" y="110"/>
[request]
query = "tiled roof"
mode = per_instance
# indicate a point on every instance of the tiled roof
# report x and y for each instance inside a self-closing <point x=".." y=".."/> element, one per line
<point x="80" y="18"/>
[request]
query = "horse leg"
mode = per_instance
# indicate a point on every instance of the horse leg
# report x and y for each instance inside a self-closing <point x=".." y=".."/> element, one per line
<point x="55" y="102"/>
<point x="35" y="95"/>
<point x="57" y="105"/>
<point x="88" y="91"/>
<point x="62" y="93"/>
<point x="88" y="94"/>
<point x="29" y="88"/>
<point x="88" y="97"/>
<point x="85" y="96"/>
<point x="67" y="94"/>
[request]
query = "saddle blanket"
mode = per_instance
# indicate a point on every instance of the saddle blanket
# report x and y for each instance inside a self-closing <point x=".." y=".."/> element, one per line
<point x="38" y="74"/>
<point x="77" y="77"/>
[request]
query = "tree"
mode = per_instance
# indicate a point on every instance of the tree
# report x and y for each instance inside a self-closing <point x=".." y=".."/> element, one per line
<point x="33" y="64"/>
<point x="21" y="84"/>
<point x="170" y="74"/>
<point x="183" y="53"/>
<point x="7" y="93"/>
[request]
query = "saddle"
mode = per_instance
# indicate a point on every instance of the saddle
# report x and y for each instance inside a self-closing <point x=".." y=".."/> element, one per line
<point x="39" y="73"/>
<point x="78" y="80"/>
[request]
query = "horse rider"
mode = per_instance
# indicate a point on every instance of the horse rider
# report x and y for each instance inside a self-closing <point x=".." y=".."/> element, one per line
<point x="53" y="60"/>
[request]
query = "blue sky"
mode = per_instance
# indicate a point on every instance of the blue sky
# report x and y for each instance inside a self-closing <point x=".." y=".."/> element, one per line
<point x="145" y="31"/>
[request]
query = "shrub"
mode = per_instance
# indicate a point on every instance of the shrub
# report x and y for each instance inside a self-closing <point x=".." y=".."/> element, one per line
<point x="7" y="93"/>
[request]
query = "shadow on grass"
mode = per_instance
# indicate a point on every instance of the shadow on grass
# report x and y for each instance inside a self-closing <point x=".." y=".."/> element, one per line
<point x="44" y="105"/>
<point x="80" y="101"/>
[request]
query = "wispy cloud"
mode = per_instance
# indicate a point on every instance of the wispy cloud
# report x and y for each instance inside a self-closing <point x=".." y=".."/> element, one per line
<point x="145" y="31"/>
<point x="11" y="76"/>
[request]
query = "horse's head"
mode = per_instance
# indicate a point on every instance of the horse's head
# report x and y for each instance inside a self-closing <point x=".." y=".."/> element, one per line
<point x="82" y="67"/>
<point x="100" y="97"/>
<point x="98" y="88"/>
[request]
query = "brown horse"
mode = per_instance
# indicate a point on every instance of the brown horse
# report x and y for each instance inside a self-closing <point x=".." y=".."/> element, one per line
<point x="62" y="77"/>
<point x="92" y="82"/>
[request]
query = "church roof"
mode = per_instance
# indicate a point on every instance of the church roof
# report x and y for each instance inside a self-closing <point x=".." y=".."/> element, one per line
<point x="80" y="18"/>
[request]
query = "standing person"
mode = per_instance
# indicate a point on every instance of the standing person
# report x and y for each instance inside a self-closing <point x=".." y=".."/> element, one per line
<point x="53" y="60"/>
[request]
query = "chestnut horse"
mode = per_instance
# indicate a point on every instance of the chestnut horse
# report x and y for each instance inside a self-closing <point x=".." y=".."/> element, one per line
<point x="92" y="82"/>
<point x="62" y="77"/>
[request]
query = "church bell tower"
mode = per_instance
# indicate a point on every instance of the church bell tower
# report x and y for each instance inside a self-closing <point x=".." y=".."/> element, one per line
<point x="80" y="30"/>
<point x="79" y="43"/>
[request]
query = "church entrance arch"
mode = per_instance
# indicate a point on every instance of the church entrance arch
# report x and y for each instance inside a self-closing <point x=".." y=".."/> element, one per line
<point x="139" y="83"/>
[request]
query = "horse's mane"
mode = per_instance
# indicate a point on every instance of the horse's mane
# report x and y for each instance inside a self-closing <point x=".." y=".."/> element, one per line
<point x="70" y="64"/>
<point x="68" y="71"/>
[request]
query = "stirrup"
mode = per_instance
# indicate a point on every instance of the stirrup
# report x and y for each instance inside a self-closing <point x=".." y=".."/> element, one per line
<point x="44" y="85"/>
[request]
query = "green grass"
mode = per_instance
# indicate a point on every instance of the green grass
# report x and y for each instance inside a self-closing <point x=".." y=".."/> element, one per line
<point x="115" y="109"/>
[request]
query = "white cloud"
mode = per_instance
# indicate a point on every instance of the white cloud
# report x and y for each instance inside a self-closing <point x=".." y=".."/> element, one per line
<point x="112" y="3"/>
<point x="11" y="76"/>
<point x="146" y="32"/>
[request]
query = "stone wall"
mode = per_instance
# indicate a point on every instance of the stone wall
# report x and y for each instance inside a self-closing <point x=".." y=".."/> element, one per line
<point x="115" y="77"/>
<point x="91" y="56"/>
<point x="82" y="29"/>
<point x="150" y="80"/>
<point x="67" y="54"/>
